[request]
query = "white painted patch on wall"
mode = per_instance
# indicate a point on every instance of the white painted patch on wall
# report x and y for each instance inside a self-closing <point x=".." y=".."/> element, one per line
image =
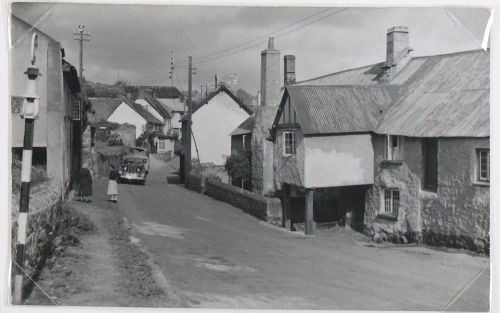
<point x="344" y="160"/>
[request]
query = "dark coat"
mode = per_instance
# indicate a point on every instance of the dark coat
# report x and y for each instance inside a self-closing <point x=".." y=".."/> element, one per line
<point x="85" y="182"/>
<point x="114" y="175"/>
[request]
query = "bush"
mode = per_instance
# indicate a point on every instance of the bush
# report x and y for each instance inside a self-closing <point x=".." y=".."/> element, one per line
<point x="238" y="166"/>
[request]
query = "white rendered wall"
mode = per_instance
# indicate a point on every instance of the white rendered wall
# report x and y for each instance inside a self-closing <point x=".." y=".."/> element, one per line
<point x="212" y="124"/>
<point x="343" y="160"/>
<point x="125" y="114"/>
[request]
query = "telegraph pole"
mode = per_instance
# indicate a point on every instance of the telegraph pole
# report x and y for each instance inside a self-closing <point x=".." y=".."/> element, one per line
<point x="81" y="36"/>
<point x="29" y="114"/>
<point x="187" y="155"/>
<point x="172" y="66"/>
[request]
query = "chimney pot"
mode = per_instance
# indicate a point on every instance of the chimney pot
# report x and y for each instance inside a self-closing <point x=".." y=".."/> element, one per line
<point x="270" y="44"/>
<point x="289" y="68"/>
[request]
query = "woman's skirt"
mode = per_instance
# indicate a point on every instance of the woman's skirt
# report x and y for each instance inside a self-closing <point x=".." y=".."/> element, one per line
<point x="112" y="187"/>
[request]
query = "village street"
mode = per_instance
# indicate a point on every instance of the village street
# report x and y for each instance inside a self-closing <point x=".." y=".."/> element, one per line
<point x="213" y="255"/>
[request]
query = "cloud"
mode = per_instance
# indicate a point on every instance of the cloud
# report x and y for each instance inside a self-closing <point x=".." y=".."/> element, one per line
<point x="135" y="40"/>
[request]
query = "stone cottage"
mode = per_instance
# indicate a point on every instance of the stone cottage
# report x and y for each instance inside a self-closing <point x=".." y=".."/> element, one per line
<point x="417" y="141"/>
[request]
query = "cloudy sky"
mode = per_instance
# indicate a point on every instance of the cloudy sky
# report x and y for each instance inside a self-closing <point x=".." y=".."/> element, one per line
<point x="133" y="42"/>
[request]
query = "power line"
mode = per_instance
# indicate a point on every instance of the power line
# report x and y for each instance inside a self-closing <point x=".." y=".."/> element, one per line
<point x="263" y="36"/>
<point x="215" y="57"/>
<point x="264" y="41"/>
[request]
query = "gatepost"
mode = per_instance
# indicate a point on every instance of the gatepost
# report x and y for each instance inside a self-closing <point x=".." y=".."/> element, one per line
<point x="29" y="114"/>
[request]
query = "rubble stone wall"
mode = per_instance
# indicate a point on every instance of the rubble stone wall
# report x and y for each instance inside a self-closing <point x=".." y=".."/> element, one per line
<point x="262" y="150"/>
<point x="457" y="215"/>
<point x="127" y="133"/>
<point x="264" y="208"/>
<point x="44" y="222"/>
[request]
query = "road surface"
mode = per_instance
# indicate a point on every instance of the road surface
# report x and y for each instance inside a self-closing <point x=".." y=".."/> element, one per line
<point x="213" y="255"/>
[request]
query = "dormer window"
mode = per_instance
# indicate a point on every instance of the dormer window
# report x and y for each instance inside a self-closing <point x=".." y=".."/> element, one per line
<point x="394" y="148"/>
<point x="290" y="144"/>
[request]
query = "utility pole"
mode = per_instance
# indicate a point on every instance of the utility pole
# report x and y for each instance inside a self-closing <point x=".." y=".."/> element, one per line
<point x="187" y="140"/>
<point x="81" y="36"/>
<point x="172" y="66"/>
<point x="29" y="114"/>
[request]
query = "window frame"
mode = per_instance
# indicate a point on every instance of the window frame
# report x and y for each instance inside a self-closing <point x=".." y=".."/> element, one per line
<point x="293" y="142"/>
<point x="479" y="178"/>
<point x="389" y="150"/>
<point x="393" y="211"/>
<point x="160" y="144"/>
<point x="245" y="142"/>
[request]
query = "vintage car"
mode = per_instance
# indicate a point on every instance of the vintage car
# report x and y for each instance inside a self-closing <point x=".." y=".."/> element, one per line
<point x="134" y="168"/>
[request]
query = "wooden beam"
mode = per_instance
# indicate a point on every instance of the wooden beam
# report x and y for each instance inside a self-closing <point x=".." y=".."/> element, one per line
<point x="308" y="227"/>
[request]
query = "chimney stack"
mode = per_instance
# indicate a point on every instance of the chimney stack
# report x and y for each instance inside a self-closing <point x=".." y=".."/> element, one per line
<point x="270" y="75"/>
<point x="129" y="97"/>
<point x="398" y="47"/>
<point x="289" y="68"/>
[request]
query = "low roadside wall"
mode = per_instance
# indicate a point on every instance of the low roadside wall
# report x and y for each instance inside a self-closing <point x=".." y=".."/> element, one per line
<point x="45" y="217"/>
<point x="264" y="208"/>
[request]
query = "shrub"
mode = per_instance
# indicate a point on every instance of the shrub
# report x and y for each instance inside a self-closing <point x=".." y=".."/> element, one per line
<point x="238" y="166"/>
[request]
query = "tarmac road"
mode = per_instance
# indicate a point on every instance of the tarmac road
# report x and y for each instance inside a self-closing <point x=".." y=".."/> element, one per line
<point x="213" y="255"/>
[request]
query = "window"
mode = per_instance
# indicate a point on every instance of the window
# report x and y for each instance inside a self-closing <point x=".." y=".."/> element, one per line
<point x="246" y="143"/>
<point x="393" y="147"/>
<point x="75" y="109"/>
<point x="390" y="203"/>
<point x="289" y="143"/>
<point x="430" y="163"/>
<point x="161" y="145"/>
<point x="483" y="165"/>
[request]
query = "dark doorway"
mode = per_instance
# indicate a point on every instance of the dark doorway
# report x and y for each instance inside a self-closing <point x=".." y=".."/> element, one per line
<point x="430" y="163"/>
<point x="297" y="210"/>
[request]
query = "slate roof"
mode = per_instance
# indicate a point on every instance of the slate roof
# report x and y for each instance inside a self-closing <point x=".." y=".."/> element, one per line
<point x="175" y="105"/>
<point x="221" y="88"/>
<point x="103" y="107"/>
<point x="150" y="118"/>
<point x="245" y="127"/>
<point x="448" y="96"/>
<point x="158" y="91"/>
<point x="339" y="109"/>
<point x="161" y="108"/>
<point x="433" y="96"/>
<point x="71" y="76"/>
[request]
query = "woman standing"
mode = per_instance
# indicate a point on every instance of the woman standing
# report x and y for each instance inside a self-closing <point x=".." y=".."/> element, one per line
<point x="85" y="185"/>
<point x="113" y="184"/>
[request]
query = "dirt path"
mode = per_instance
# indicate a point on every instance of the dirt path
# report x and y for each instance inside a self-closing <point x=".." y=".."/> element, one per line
<point x="105" y="269"/>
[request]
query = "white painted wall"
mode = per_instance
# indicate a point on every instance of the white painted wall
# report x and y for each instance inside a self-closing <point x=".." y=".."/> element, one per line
<point x="176" y="120"/>
<point x="342" y="160"/>
<point x="212" y="124"/>
<point x="125" y="114"/>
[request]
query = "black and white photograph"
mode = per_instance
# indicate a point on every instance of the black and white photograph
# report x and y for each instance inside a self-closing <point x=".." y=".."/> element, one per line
<point x="248" y="157"/>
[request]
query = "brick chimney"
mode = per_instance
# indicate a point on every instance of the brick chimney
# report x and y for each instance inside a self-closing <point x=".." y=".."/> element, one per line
<point x="398" y="50"/>
<point x="270" y="75"/>
<point x="289" y="69"/>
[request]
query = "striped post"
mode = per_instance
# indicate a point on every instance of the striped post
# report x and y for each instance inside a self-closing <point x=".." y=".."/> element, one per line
<point x="29" y="113"/>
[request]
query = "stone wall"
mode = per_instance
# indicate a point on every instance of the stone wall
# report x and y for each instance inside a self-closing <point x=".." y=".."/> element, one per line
<point x="126" y="132"/>
<point x="44" y="222"/>
<point x="262" y="150"/>
<point x="456" y="215"/>
<point x="264" y="208"/>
